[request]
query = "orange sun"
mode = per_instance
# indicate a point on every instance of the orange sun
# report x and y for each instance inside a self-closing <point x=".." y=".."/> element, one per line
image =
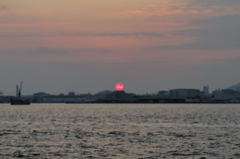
<point x="119" y="87"/>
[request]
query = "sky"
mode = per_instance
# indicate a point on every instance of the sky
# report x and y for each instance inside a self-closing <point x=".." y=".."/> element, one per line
<point x="89" y="45"/>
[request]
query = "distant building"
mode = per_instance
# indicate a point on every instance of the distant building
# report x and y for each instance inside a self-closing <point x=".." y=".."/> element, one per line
<point x="41" y="94"/>
<point x="226" y="94"/>
<point x="185" y="93"/>
<point x="206" y="90"/>
<point x="102" y="94"/>
<point x="163" y="93"/>
<point x="117" y="96"/>
<point x="3" y="99"/>
<point x="71" y="94"/>
<point x="61" y="95"/>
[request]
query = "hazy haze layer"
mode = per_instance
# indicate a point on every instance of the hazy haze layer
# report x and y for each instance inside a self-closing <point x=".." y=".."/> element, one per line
<point x="88" y="46"/>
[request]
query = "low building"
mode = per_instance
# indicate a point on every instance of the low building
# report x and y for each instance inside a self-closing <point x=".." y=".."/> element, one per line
<point x="226" y="94"/>
<point x="163" y="94"/>
<point x="185" y="93"/>
<point x="41" y="94"/>
<point x="205" y="90"/>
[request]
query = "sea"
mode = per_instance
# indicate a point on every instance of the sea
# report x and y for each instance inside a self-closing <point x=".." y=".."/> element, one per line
<point x="121" y="131"/>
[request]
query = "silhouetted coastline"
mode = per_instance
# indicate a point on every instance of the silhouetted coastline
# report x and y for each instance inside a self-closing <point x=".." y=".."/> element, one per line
<point x="171" y="96"/>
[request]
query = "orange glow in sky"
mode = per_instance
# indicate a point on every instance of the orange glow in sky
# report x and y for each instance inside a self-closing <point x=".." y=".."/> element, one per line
<point x="119" y="87"/>
<point x="129" y="40"/>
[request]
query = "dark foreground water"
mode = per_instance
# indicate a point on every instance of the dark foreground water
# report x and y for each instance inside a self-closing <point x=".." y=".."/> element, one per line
<point x="120" y="131"/>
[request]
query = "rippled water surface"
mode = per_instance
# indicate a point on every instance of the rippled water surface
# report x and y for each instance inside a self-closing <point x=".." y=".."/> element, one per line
<point x="120" y="131"/>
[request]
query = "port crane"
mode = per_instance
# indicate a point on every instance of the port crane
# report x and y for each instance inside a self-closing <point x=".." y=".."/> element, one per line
<point x="18" y="100"/>
<point x="19" y="90"/>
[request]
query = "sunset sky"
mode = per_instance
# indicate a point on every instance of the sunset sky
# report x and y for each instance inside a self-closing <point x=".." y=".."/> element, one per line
<point x="89" y="45"/>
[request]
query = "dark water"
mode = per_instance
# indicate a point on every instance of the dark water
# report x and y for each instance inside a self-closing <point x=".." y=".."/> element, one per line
<point x="120" y="131"/>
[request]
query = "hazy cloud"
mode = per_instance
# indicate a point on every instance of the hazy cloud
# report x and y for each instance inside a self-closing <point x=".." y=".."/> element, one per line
<point x="196" y="11"/>
<point x="3" y="7"/>
<point x="218" y="33"/>
<point x="77" y="34"/>
<point x="41" y="51"/>
<point x="216" y="2"/>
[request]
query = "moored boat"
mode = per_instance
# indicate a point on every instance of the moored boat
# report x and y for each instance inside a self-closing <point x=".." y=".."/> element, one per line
<point x="20" y="101"/>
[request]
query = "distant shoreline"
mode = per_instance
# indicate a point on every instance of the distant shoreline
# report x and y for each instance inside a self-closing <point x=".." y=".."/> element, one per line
<point x="131" y="103"/>
<point x="177" y="96"/>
